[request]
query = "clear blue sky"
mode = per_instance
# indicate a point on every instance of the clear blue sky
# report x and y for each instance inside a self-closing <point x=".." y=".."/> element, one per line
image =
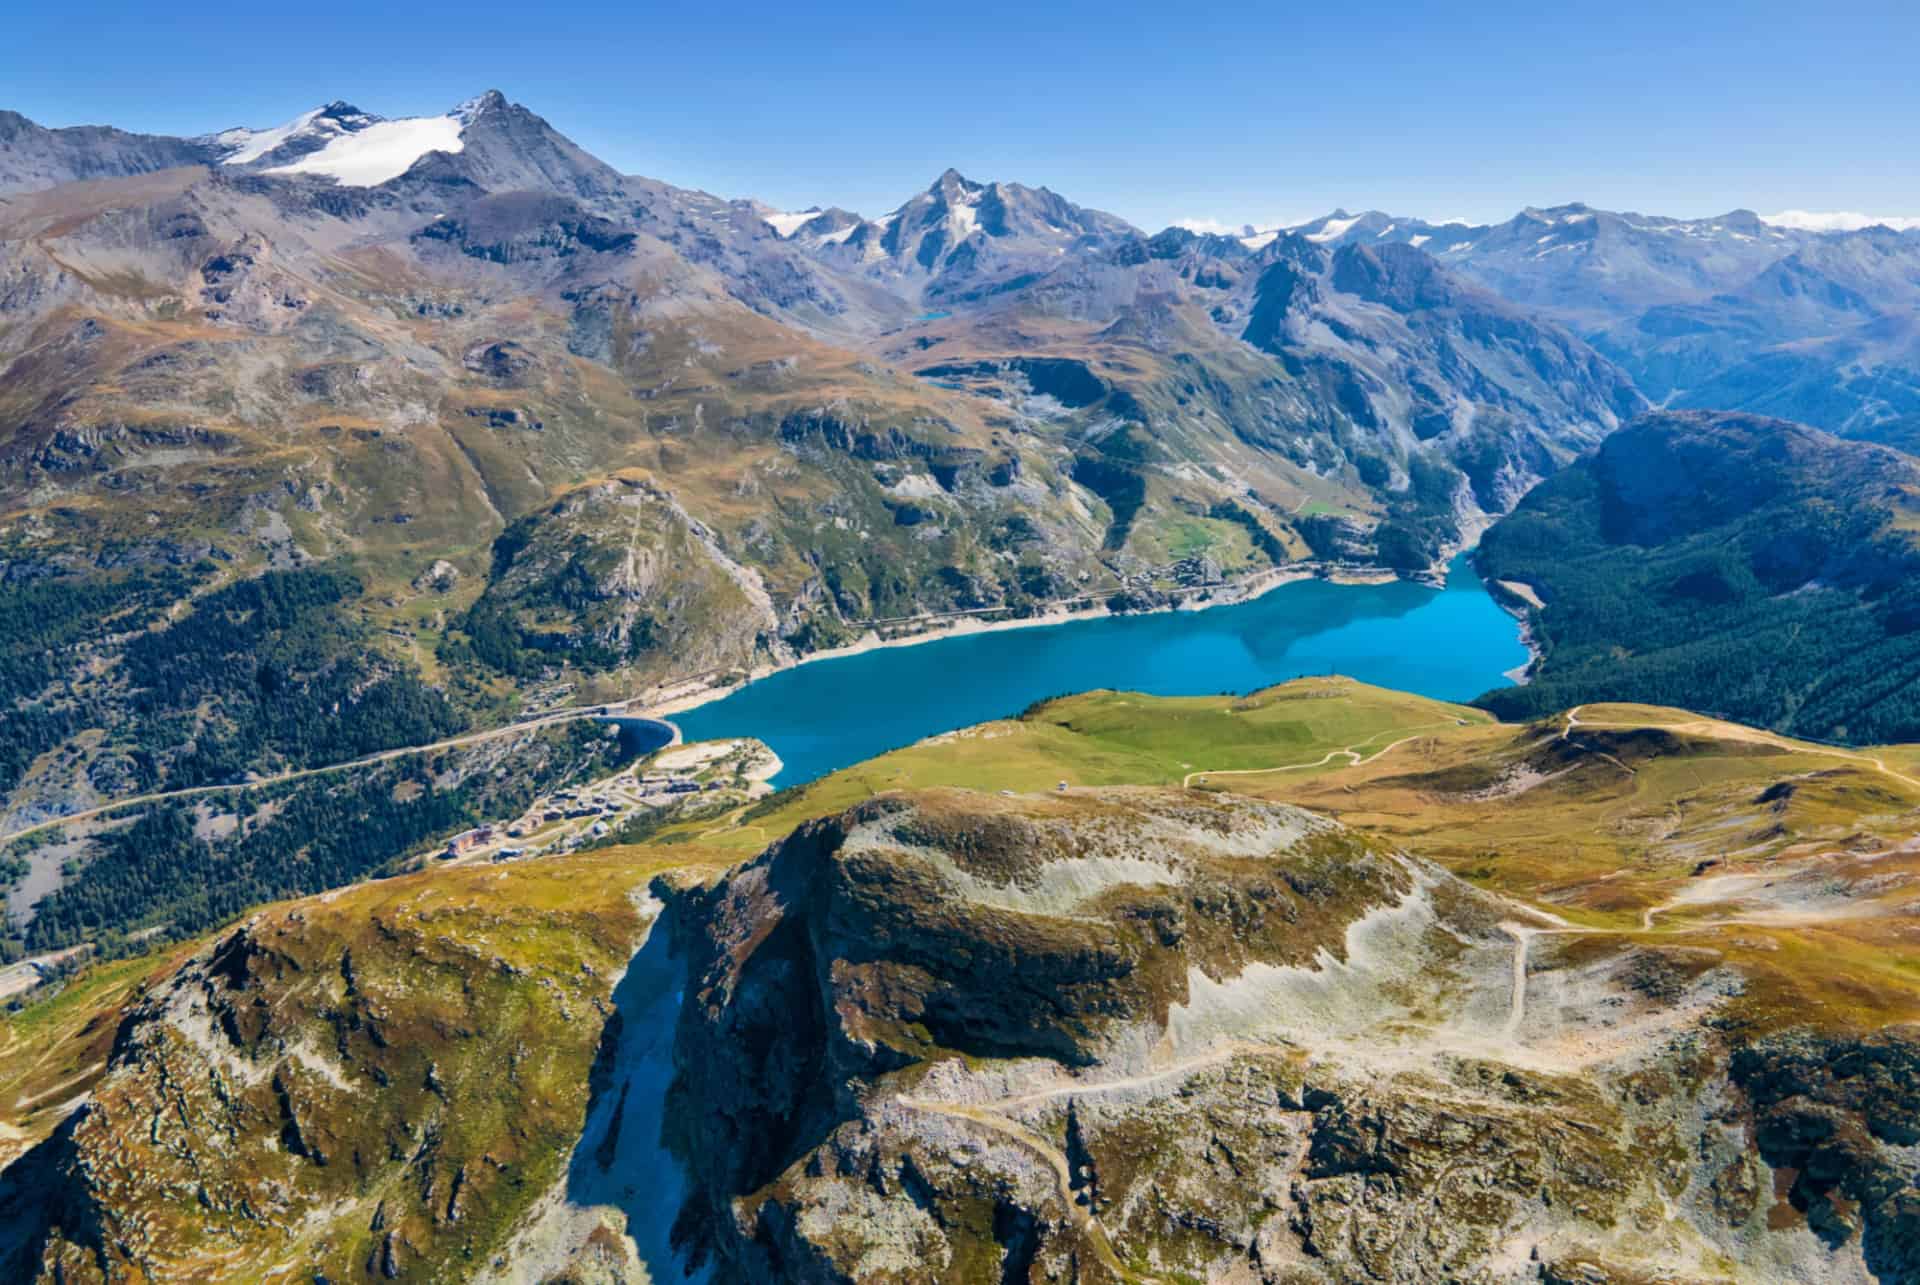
<point x="1252" y="113"/>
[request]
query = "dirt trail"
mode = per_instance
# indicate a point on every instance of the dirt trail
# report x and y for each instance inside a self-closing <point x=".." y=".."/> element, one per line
<point x="1524" y="934"/>
<point x="1725" y="731"/>
<point x="1351" y="754"/>
<point x="1573" y="721"/>
<point x="1517" y="1006"/>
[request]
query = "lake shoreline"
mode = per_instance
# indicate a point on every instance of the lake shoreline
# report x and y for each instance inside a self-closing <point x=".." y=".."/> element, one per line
<point x="1519" y="600"/>
<point x="1227" y="594"/>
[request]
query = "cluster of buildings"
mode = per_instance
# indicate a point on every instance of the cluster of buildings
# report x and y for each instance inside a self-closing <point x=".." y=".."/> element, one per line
<point x="602" y="804"/>
<point x="467" y="840"/>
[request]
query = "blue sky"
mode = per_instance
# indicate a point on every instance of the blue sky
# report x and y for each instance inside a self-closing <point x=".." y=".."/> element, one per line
<point x="1246" y="113"/>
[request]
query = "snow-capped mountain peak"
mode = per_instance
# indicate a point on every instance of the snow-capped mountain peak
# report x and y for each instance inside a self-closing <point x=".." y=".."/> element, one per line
<point x="466" y="113"/>
<point x="305" y="132"/>
<point x="955" y="188"/>
<point x="381" y="151"/>
<point x="352" y="147"/>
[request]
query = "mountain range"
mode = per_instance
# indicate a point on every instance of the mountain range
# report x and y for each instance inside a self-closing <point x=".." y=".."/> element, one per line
<point x="567" y="423"/>
<point x="507" y="423"/>
<point x="1729" y="313"/>
<point x="352" y="470"/>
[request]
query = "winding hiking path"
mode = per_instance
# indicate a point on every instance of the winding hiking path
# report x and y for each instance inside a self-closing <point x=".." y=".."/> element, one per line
<point x="1573" y="721"/>
<point x="1351" y="753"/>
<point x="1726" y="731"/>
<point x="1523" y="935"/>
<point x="1517" y="1006"/>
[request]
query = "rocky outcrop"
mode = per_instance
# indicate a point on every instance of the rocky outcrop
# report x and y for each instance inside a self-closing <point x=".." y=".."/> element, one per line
<point x="1131" y="1034"/>
<point x="851" y="434"/>
<point x="628" y="579"/>
<point x="866" y="943"/>
<point x="1152" y="1036"/>
<point x="521" y="227"/>
<point x="1071" y="383"/>
<point x="33" y="157"/>
<point x="1838" y="1120"/>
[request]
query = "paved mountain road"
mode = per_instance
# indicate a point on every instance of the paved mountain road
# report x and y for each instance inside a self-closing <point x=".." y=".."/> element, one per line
<point x="550" y="719"/>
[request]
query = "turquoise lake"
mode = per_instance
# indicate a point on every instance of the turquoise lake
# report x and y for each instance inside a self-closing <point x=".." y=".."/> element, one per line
<point x="1451" y="643"/>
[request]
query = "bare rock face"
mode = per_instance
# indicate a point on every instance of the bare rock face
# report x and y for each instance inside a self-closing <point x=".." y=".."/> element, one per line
<point x="33" y="157"/>
<point x="1839" y="1119"/>
<point x="1136" y="1035"/>
<point x="1101" y="1036"/>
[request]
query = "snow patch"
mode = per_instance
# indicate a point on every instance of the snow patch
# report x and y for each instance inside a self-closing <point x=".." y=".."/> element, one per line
<point x="250" y="145"/>
<point x="787" y="224"/>
<point x="1207" y="227"/>
<point x="1332" y="229"/>
<point x="381" y="152"/>
<point x="964" y="220"/>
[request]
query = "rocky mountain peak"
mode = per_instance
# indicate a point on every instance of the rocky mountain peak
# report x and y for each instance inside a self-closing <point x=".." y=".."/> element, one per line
<point x="952" y="185"/>
<point x="472" y="109"/>
<point x="503" y="146"/>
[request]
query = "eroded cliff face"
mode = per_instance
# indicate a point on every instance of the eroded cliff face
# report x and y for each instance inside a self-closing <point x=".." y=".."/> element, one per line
<point x="1138" y="1035"/>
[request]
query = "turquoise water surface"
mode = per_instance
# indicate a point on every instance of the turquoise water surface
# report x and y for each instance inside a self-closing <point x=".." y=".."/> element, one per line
<point x="1451" y="643"/>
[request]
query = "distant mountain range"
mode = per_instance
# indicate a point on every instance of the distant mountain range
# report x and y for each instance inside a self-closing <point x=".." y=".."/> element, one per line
<point x="1796" y="314"/>
<point x="1734" y="313"/>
